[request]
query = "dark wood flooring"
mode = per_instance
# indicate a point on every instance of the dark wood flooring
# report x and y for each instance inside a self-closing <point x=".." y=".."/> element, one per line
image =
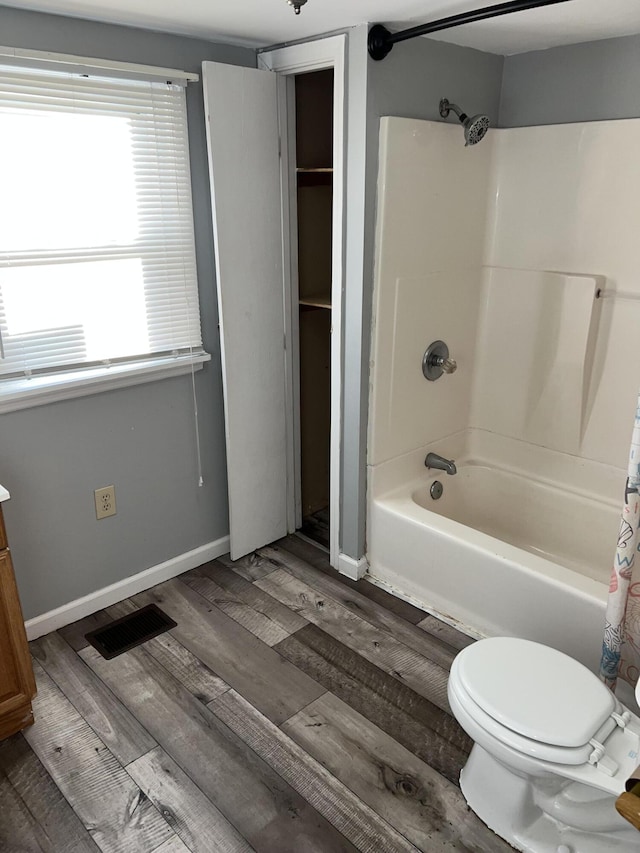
<point x="290" y="711"/>
<point x="316" y="527"/>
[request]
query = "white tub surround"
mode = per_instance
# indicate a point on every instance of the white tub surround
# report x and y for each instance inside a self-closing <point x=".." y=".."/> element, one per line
<point x="501" y="250"/>
<point x="533" y="371"/>
<point x="428" y="279"/>
<point x="565" y="198"/>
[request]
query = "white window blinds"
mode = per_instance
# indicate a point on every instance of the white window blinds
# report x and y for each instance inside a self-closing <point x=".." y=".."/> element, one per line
<point x="97" y="260"/>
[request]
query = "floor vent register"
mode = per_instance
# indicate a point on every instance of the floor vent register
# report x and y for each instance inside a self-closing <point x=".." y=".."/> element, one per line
<point x="130" y="631"/>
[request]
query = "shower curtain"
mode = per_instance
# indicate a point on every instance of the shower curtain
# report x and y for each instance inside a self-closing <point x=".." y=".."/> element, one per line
<point x="621" y="645"/>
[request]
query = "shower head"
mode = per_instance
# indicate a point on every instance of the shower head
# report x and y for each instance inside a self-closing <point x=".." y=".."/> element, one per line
<point x="475" y="127"/>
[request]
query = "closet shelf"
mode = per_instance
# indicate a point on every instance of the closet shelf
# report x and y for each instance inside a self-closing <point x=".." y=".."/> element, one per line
<point x="319" y="301"/>
<point x="315" y="178"/>
<point x="325" y="169"/>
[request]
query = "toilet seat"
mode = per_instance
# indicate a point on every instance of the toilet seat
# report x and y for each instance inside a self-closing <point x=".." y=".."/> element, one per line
<point x="534" y="699"/>
<point x="526" y="746"/>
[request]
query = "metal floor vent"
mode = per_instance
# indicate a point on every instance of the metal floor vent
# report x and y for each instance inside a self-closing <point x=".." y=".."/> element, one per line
<point x="130" y="631"/>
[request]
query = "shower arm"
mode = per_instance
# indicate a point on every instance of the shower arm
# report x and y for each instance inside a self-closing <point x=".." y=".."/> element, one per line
<point x="446" y="106"/>
<point x="381" y="40"/>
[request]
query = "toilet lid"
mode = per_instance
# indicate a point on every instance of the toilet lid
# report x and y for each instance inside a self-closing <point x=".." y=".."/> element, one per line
<point x="534" y="690"/>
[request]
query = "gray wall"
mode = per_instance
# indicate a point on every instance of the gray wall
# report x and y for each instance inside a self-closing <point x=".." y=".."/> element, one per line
<point x="410" y="83"/>
<point x="581" y="82"/>
<point x="141" y="439"/>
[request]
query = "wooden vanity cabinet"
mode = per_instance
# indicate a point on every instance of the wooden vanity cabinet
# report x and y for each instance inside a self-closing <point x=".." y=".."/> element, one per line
<point x="17" y="685"/>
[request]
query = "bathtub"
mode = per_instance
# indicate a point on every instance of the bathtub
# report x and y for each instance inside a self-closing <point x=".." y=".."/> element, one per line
<point x="520" y="543"/>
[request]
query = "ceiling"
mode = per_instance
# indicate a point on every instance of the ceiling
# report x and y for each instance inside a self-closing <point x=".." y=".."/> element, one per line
<point x="267" y="22"/>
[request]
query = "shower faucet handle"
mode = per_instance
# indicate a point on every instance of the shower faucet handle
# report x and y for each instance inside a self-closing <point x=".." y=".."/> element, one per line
<point x="436" y="361"/>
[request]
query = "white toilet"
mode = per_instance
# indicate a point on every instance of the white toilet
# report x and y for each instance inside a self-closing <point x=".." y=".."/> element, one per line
<point x="553" y="748"/>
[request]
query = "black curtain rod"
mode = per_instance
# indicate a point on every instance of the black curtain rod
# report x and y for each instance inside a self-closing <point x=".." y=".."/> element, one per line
<point x="381" y="40"/>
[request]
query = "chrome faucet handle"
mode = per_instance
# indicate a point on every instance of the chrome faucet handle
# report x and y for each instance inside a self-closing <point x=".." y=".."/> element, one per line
<point x="436" y="361"/>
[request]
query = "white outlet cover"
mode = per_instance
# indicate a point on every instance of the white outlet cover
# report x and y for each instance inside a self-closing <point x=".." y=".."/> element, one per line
<point x="105" y="501"/>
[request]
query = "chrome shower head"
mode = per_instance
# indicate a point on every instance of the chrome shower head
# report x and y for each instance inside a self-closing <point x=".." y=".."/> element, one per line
<point x="475" y="127"/>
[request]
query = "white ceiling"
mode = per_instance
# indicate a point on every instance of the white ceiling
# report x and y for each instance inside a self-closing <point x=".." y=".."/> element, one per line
<point x="267" y="22"/>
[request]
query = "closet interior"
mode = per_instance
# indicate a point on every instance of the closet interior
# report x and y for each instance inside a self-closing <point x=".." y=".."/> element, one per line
<point x="314" y="177"/>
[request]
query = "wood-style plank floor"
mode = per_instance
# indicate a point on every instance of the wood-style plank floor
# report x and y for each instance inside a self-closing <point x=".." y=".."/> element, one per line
<point x="290" y="711"/>
<point x="316" y="527"/>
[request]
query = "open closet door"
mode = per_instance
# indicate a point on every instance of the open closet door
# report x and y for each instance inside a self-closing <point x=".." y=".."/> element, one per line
<point x="242" y="132"/>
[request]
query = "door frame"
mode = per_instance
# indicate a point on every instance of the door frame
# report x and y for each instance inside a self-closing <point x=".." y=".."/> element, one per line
<point x="286" y="62"/>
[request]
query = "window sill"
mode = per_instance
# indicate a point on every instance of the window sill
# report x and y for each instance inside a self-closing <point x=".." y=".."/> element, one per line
<point x="18" y="394"/>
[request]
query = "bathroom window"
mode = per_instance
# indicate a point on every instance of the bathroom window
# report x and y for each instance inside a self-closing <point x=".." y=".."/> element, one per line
<point x="97" y="258"/>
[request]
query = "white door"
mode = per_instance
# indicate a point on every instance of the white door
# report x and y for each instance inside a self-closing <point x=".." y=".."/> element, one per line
<point x="241" y="111"/>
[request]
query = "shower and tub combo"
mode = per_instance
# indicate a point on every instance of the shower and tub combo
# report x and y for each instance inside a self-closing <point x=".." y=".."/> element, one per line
<point x="536" y="417"/>
<point x="495" y="478"/>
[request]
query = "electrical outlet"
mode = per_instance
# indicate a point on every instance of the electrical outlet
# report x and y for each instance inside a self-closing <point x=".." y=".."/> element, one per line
<point x="105" y="499"/>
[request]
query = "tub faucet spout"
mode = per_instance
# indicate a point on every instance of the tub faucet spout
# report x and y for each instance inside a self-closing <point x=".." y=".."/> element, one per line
<point x="433" y="460"/>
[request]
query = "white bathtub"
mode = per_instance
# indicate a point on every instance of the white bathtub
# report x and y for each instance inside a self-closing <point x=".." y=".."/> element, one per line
<point x="520" y="543"/>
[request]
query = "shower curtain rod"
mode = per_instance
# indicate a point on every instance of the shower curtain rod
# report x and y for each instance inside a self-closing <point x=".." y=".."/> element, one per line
<point x="381" y="40"/>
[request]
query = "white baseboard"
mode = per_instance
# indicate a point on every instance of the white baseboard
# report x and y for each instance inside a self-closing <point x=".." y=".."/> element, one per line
<point x="354" y="569"/>
<point x="120" y="590"/>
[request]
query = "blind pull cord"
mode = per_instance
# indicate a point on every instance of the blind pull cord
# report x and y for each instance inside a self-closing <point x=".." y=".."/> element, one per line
<point x="196" y="422"/>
